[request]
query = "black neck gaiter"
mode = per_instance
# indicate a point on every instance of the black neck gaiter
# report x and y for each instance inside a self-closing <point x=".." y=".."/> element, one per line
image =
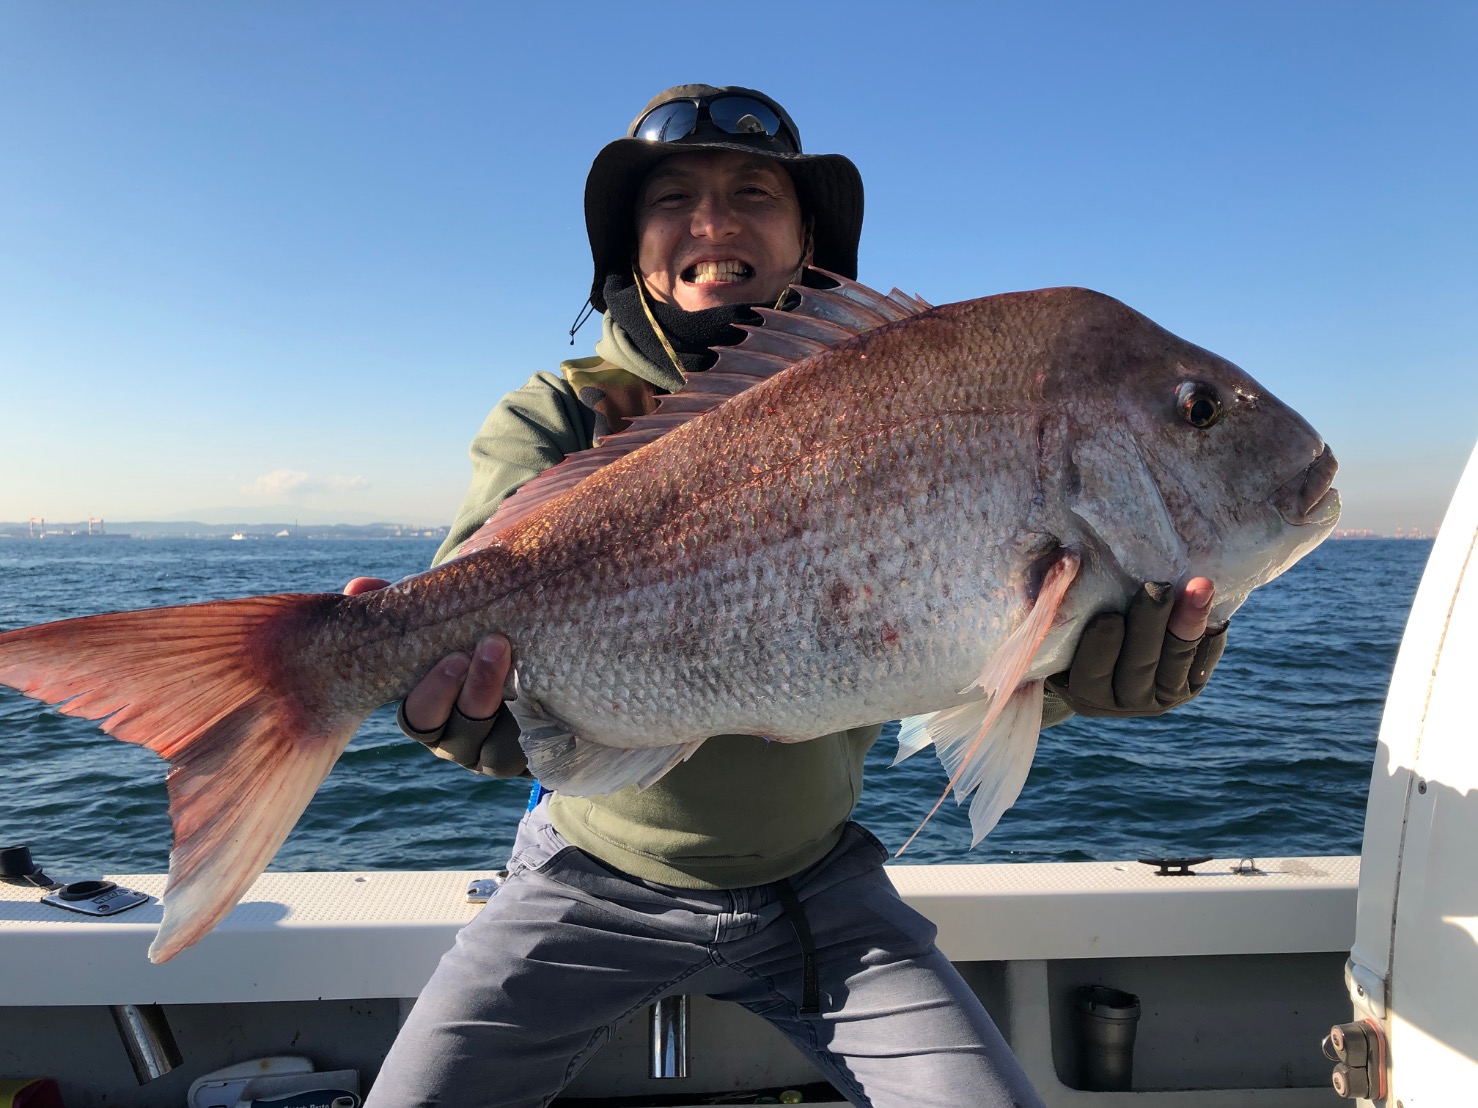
<point x="692" y="334"/>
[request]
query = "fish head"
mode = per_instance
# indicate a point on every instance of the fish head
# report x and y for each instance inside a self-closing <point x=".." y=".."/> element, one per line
<point x="1182" y="465"/>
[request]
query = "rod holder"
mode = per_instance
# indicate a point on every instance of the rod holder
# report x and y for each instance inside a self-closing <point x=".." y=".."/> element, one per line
<point x="669" y="1036"/>
<point x="148" y="1039"/>
<point x="1107" y="1020"/>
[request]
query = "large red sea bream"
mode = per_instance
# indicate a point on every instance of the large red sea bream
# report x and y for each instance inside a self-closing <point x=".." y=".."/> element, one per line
<point x="872" y="509"/>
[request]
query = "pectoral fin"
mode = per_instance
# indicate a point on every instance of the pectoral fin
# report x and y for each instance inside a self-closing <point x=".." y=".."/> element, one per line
<point x="913" y="735"/>
<point x="987" y="743"/>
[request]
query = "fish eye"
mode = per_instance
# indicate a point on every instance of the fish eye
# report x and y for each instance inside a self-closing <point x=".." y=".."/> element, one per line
<point x="1198" y="404"/>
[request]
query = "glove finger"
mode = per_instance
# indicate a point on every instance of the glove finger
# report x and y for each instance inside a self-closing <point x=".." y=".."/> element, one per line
<point x="1173" y="672"/>
<point x="430" y="738"/>
<point x="462" y="738"/>
<point x="434" y="695"/>
<point x="500" y="754"/>
<point x="1208" y="653"/>
<point x="1144" y="641"/>
<point x="1087" y="685"/>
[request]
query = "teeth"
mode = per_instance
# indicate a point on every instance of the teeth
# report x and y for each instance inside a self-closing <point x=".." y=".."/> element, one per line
<point x="719" y="273"/>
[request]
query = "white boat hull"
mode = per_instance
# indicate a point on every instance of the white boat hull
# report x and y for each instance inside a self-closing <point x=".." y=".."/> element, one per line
<point x="1239" y="977"/>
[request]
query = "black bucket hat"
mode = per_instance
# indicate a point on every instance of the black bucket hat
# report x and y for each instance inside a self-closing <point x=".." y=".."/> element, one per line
<point x="717" y="118"/>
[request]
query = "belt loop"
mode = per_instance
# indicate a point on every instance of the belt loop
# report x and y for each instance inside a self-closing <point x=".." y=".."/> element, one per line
<point x="790" y="906"/>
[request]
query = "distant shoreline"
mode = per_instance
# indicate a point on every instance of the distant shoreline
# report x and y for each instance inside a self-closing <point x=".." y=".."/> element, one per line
<point x="193" y="529"/>
<point x="1414" y="533"/>
<point x="150" y="529"/>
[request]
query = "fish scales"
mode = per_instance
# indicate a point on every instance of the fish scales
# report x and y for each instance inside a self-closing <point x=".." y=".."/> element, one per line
<point x="716" y="525"/>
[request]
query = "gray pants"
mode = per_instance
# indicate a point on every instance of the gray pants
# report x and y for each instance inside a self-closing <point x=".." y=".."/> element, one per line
<point x="568" y="949"/>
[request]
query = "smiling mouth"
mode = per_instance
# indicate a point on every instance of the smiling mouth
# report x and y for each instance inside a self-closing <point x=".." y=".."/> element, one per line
<point x="717" y="273"/>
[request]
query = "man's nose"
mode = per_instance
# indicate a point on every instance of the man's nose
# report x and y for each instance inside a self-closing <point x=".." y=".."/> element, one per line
<point x="715" y="218"/>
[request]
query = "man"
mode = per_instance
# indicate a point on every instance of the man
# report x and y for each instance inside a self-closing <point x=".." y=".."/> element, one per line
<point x="738" y="874"/>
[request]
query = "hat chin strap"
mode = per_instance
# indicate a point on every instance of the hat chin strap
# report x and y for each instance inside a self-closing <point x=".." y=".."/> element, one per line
<point x="808" y="251"/>
<point x="641" y="294"/>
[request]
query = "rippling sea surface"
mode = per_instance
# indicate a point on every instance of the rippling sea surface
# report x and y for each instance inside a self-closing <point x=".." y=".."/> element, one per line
<point x="1272" y="760"/>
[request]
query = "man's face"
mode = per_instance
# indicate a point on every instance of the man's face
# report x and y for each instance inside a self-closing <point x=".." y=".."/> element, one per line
<point x="718" y="227"/>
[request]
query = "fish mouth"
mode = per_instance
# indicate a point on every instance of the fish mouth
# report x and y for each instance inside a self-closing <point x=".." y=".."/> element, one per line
<point x="1310" y="498"/>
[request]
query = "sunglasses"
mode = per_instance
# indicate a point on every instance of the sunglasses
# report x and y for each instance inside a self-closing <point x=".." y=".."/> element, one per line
<point x="732" y="114"/>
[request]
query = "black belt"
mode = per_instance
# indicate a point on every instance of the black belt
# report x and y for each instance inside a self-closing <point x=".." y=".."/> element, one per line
<point x="790" y="906"/>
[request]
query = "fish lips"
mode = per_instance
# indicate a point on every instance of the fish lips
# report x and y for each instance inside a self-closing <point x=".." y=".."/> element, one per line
<point x="1310" y="498"/>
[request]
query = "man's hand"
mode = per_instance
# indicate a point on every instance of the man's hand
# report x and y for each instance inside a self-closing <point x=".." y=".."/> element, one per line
<point x="455" y="709"/>
<point x="1147" y="660"/>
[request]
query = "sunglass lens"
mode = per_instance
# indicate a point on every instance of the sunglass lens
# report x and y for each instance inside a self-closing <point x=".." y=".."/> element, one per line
<point x="743" y="115"/>
<point x="668" y="122"/>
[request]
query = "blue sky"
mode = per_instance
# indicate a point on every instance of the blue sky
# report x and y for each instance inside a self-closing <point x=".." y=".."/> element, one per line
<point x="286" y="256"/>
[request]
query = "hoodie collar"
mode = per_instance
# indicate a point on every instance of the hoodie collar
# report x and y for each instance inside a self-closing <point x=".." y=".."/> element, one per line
<point x="616" y="347"/>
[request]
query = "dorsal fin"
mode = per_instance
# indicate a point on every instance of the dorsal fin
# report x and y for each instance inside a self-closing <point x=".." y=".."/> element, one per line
<point x="822" y="319"/>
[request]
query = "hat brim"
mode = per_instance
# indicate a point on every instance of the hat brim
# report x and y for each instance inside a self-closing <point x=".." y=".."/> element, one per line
<point x="828" y="185"/>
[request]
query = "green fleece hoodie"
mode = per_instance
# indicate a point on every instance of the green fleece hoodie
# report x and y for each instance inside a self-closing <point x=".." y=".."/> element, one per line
<point x="741" y="811"/>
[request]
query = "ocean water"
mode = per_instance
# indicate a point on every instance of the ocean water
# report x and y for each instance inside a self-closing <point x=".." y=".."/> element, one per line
<point x="1273" y="759"/>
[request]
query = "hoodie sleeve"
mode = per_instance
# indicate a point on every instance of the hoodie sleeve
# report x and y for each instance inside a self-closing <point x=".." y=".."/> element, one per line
<point x="531" y="429"/>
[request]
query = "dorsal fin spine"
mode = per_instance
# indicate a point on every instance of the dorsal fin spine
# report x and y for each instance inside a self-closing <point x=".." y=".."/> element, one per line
<point x="823" y="319"/>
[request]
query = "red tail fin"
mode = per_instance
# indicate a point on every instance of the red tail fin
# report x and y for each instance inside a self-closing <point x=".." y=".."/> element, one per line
<point x="221" y="690"/>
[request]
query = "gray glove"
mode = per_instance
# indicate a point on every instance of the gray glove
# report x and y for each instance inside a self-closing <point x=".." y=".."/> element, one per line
<point x="486" y="746"/>
<point x="1128" y="664"/>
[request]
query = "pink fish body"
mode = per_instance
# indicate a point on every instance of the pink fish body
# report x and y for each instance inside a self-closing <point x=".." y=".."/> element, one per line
<point x="870" y="510"/>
